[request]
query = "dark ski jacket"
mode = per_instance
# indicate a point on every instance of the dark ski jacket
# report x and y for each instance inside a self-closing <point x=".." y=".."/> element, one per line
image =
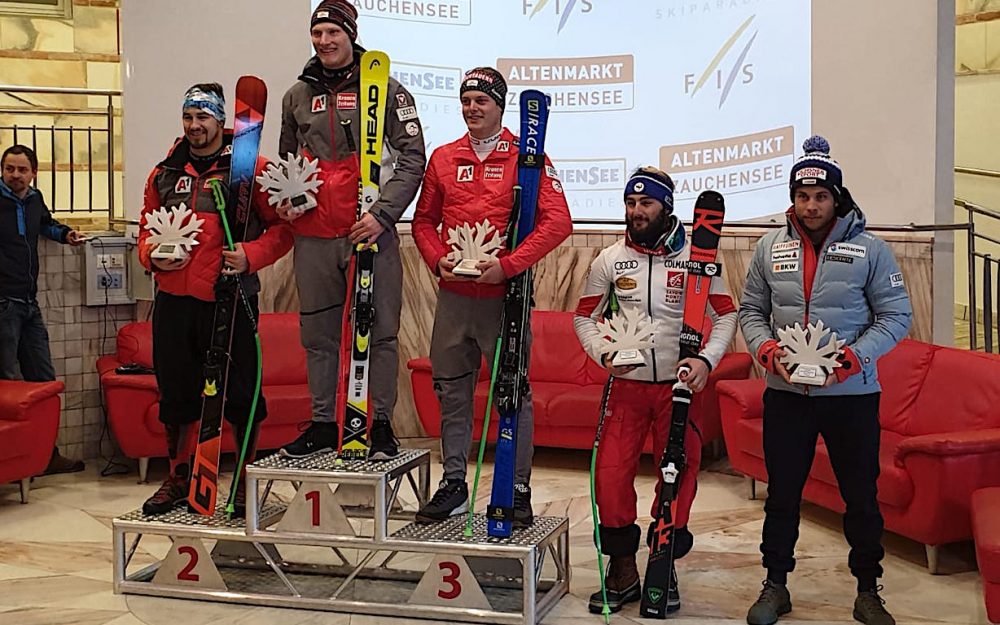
<point x="21" y="221"/>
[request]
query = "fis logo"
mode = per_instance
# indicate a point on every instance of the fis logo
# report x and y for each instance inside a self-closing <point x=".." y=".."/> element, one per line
<point x="564" y="9"/>
<point x="724" y="76"/>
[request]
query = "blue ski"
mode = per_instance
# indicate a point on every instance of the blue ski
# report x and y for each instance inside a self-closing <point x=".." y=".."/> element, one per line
<point x="511" y="368"/>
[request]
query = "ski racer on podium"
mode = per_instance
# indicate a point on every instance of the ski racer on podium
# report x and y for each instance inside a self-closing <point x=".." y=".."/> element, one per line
<point x="646" y="271"/>
<point x="471" y="181"/>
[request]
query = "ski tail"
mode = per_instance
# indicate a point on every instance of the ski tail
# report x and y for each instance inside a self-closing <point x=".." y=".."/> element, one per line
<point x="512" y="377"/>
<point x="358" y="338"/>
<point x="709" y="213"/>
<point x="251" y="103"/>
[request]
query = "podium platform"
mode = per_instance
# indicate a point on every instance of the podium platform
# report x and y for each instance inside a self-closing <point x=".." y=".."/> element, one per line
<point x="352" y="559"/>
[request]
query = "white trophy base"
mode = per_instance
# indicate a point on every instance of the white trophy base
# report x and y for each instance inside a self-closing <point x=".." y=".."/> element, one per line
<point x="302" y="203"/>
<point x="467" y="267"/>
<point x="812" y="375"/>
<point x="628" y="358"/>
<point x="170" y="251"/>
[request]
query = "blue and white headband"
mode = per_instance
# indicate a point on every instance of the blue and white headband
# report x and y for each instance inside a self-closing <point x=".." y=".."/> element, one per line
<point x="644" y="184"/>
<point x="210" y="102"/>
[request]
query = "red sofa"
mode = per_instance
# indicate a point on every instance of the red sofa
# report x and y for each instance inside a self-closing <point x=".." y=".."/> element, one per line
<point x="566" y="388"/>
<point x="132" y="400"/>
<point x="29" y="422"/>
<point x="940" y="440"/>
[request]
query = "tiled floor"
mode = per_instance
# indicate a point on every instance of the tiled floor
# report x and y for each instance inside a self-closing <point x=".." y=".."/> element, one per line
<point x="55" y="560"/>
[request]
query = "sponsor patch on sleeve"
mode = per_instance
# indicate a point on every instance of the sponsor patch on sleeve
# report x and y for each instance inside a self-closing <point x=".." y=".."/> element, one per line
<point x="551" y="172"/>
<point x="557" y="186"/>
<point x="412" y="128"/>
<point x="406" y="113"/>
<point x="896" y="279"/>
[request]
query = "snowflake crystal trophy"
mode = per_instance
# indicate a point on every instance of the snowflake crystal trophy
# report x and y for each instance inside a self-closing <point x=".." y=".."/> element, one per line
<point x="807" y="361"/>
<point x="293" y="178"/>
<point x="628" y="332"/>
<point x="174" y="231"/>
<point x="471" y="244"/>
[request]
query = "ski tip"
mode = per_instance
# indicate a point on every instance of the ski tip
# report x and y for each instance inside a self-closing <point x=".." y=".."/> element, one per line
<point x="374" y="58"/>
<point x="710" y="199"/>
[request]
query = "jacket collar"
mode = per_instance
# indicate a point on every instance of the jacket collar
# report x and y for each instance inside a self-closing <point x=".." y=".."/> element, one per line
<point x="8" y="193"/>
<point x="466" y="152"/>
<point x="844" y="228"/>
<point x="177" y="157"/>
<point x="312" y="74"/>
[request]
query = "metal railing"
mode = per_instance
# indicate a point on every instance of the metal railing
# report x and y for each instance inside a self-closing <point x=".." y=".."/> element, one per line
<point x="991" y="267"/>
<point x="69" y="147"/>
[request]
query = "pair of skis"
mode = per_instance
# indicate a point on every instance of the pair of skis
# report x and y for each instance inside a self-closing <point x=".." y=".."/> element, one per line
<point x="509" y="374"/>
<point x="709" y="213"/>
<point x="359" y="316"/>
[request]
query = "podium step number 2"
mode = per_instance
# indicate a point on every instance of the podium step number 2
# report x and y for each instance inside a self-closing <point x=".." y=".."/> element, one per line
<point x="315" y="509"/>
<point x="189" y="564"/>
<point x="449" y="581"/>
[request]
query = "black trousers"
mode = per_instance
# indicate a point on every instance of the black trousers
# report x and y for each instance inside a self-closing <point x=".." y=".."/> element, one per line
<point x="850" y="428"/>
<point x="182" y="333"/>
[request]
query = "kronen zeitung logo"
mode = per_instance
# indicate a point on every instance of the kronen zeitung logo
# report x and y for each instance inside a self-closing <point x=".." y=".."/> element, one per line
<point x="428" y="80"/>
<point x="725" y="70"/>
<point x="591" y="174"/>
<point x="734" y="164"/>
<point x="579" y="84"/>
<point x="564" y="9"/>
<point x="433" y="11"/>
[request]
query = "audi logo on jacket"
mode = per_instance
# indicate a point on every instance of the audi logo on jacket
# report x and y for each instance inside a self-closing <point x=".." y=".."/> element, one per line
<point x="655" y="284"/>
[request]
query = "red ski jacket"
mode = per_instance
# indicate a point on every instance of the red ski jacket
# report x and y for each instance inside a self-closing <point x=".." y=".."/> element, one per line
<point x="173" y="181"/>
<point x="459" y="189"/>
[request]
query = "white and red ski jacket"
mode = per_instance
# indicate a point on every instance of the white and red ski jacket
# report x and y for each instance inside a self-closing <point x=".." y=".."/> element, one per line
<point x="459" y="188"/>
<point x="654" y="283"/>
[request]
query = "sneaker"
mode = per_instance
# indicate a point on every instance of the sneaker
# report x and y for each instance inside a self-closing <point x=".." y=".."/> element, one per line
<point x="773" y="601"/>
<point x="172" y="493"/>
<point x="451" y="498"/>
<point x="59" y="463"/>
<point x="523" y="516"/>
<point x="869" y="608"/>
<point x="383" y="445"/>
<point x="317" y="437"/>
<point x="621" y="583"/>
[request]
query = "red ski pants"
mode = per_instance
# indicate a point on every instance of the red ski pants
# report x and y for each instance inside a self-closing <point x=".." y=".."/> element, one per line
<point x="632" y="408"/>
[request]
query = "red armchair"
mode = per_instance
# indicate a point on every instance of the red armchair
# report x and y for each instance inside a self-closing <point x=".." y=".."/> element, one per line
<point x="940" y="440"/>
<point x="132" y="400"/>
<point x="566" y="388"/>
<point x="986" y="531"/>
<point x="29" y="422"/>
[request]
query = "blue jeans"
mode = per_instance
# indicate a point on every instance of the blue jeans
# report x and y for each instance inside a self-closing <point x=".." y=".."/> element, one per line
<point x="24" y="342"/>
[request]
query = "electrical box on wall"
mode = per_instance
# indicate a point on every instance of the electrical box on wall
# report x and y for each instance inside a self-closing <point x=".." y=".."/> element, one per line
<point x="106" y="271"/>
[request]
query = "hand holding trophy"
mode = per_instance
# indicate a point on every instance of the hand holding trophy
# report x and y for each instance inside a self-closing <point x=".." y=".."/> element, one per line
<point x="807" y="361"/>
<point x="293" y="179"/>
<point x="629" y="331"/>
<point x="471" y="244"/>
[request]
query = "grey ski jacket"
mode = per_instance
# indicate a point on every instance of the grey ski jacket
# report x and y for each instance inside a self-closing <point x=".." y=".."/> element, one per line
<point x="856" y="289"/>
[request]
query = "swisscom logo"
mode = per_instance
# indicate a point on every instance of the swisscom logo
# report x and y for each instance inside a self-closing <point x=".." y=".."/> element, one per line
<point x="457" y="12"/>
<point x="724" y="72"/>
<point x="564" y="9"/>
<point x="576" y="85"/>
<point x="428" y="80"/>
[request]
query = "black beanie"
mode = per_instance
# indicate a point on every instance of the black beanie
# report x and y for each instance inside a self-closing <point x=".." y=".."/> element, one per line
<point x="339" y="12"/>
<point x="487" y="80"/>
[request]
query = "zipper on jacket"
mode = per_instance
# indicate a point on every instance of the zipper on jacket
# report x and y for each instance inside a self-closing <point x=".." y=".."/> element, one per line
<point x="649" y="308"/>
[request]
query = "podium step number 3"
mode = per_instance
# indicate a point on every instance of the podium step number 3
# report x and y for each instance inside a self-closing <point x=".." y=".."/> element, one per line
<point x="189" y="564"/>
<point x="315" y="509"/>
<point x="449" y="582"/>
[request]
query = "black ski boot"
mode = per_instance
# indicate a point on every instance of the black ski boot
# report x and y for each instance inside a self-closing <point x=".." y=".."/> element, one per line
<point x="383" y="445"/>
<point x="172" y="493"/>
<point x="622" y="584"/>
<point x="869" y="608"/>
<point x="451" y="498"/>
<point x="773" y="601"/>
<point x="523" y="516"/>
<point x="317" y="437"/>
